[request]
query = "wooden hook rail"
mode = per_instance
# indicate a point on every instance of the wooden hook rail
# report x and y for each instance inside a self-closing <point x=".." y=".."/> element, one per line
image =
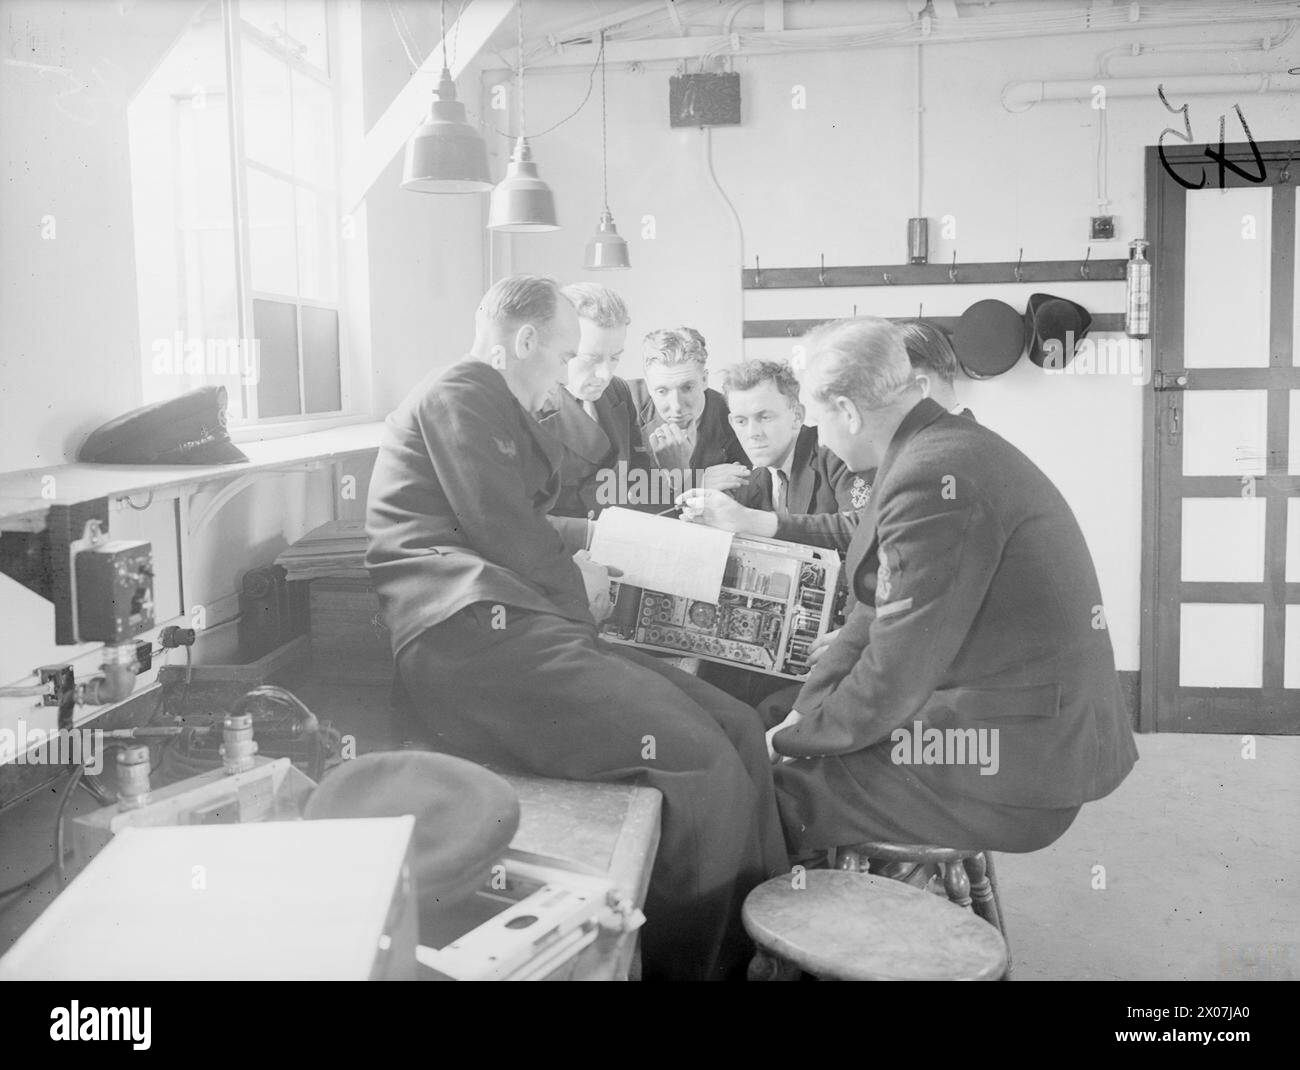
<point x="1101" y="324"/>
<point x="956" y="273"/>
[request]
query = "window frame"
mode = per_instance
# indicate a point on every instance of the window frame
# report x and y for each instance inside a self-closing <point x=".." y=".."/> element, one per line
<point x="236" y="31"/>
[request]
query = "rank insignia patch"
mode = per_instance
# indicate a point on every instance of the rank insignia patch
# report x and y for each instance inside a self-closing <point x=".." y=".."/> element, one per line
<point x="860" y="492"/>
<point x="507" y="448"/>
<point x="884" y="577"/>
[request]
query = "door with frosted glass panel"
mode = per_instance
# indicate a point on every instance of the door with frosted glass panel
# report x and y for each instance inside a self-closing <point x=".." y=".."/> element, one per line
<point x="1221" y="523"/>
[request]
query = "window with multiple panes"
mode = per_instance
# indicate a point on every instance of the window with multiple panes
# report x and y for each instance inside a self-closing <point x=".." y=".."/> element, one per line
<point x="234" y="171"/>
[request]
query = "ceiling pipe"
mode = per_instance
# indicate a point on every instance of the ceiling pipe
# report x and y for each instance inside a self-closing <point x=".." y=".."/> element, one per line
<point x="1021" y="96"/>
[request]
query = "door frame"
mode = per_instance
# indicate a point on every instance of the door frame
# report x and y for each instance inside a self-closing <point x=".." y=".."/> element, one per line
<point x="1165" y="215"/>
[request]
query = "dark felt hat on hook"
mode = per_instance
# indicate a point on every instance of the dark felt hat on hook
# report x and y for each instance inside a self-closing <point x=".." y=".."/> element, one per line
<point x="1054" y="326"/>
<point x="988" y="339"/>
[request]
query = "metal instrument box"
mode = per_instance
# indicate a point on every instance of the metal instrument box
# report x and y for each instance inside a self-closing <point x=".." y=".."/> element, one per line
<point x="278" y="900"/>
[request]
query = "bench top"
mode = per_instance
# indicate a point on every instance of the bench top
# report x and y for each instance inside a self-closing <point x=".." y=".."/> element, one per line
<point x="611" y="828"/>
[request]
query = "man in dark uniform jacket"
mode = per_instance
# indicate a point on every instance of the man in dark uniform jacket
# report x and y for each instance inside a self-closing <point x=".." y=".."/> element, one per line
<point x="684" y="424"/>
<point x="495" y="639"/>
<point x="935" y="366"/>
<point x="595" y="419"/>
<point x="982" y="633"/>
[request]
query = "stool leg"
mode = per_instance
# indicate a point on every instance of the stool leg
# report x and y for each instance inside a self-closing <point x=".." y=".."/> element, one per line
<point x="981" y="890"/>
<point x="997" y="906"/>
<point x="957" y="883"/>
<point x="767" y="967"/>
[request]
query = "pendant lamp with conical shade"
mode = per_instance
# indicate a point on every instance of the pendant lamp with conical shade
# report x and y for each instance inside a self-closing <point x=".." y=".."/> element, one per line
<point x="446" y="154"/>
<point x="606" y="250"/>
<point x="522" y="202"/>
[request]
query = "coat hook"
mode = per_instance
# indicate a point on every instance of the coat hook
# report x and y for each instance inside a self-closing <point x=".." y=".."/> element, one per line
<point x="821" y="271"/>
<point x="1083" y="268"/>
<point x="1285" y="176"/>
<point x="1020" y="276"/>
<point x="889" y="279"/>
<point x="952" y="271"/>
<point x="758" y="272"/>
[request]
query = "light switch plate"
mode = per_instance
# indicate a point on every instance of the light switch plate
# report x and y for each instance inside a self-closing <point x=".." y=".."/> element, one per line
<point x="1102" y="229"/>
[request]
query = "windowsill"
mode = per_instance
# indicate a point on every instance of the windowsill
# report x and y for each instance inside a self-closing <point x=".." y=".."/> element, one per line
<point x="26" y="496"/>
<point x="298" y="425"/>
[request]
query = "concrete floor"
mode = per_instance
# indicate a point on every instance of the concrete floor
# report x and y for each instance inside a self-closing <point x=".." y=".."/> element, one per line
<point x="1200" y="849"/>
<point x="1201" y="856"/>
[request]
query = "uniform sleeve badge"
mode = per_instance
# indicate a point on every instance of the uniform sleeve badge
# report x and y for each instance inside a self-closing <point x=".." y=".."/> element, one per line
<point x="860" y="492"/>
<point x="507" y="447"/>
<point x="884" y="578"/>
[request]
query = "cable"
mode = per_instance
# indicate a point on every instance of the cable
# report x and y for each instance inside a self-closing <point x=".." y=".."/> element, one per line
<point x="58" y="822"/>
<point x="23" y="884"/>
<point x="185" y="691"/>
<point x="604" y="148"/>
<point x="455" y="31"/>
<point x="523" y="125"/>
<point x="393" y="14"/>
<point x="57" y="864"/>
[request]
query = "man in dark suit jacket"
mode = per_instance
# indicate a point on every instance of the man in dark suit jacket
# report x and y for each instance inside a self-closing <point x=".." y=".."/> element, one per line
<point x="935" y="364"/>
<point x="684" y="424"/>
<point x="493" y="626"/>
<point x="791" y="472"/>
<point x="595" y="419"/>
<point x="971" y="700"/>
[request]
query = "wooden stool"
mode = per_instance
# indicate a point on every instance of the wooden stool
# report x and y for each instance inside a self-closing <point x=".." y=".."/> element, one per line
<point x="968" y="876"/>
<point x="843" y="926"/>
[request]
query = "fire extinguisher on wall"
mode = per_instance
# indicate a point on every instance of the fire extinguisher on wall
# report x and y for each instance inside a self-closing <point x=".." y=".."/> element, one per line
<point x="1137" y="307"/>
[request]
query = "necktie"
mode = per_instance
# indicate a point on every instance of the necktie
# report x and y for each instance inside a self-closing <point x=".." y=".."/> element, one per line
<point x="780" y="488"/>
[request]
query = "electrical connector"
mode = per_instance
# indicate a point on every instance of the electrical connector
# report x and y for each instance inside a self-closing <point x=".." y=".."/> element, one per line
<point x="172" y="636"/>
<point x="143" y="657"/>
<point x="60" y="681"/>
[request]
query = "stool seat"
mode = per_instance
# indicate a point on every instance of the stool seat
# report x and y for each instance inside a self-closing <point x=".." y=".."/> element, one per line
<point x="858" y="927"/>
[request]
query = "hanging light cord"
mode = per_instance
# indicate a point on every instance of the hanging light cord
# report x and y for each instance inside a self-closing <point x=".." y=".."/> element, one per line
<point x="523" y="100"/>
<point x="591" y="85"/>
<point x="442" y="29"/>
<point x="604" y="147"/>
<point x="403" y="31"/>
<point x="407" y="38"/>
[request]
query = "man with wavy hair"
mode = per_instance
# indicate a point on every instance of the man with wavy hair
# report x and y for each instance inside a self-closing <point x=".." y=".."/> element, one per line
<point x="684" y="423"/>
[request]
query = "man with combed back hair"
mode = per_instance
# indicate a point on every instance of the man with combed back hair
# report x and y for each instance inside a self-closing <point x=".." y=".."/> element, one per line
<point x="595" y="418"/>
<point x="493" y="623"/>
<point x="979" y="611"/>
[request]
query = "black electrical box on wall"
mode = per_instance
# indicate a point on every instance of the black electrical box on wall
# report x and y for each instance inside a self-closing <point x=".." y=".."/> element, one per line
<point x="114" y="591"/>
<point x="704" y="99"/>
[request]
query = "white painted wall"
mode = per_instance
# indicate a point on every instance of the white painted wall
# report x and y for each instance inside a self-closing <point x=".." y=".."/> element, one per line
<point x="838" y="178"/>
<point x="69" y="325"/>
<point x="835" y="178"/>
